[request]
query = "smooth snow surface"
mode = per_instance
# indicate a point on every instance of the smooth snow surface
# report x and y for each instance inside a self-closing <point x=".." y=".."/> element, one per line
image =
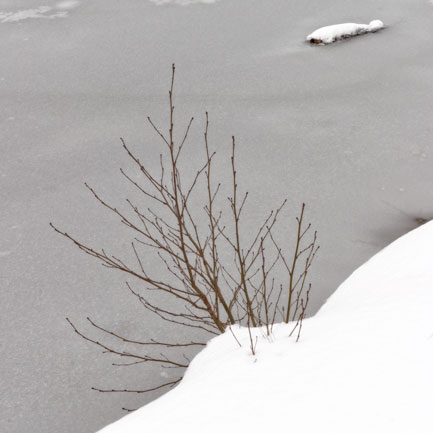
<point x="330" y="34"/>
<point x="363" y="364"/>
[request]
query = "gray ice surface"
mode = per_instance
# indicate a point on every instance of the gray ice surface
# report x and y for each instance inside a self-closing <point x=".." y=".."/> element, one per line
<point x="347" y="128"/>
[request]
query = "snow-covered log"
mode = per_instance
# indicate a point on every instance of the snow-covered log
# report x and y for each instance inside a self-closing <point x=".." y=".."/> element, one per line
<point x="329" y="34"/>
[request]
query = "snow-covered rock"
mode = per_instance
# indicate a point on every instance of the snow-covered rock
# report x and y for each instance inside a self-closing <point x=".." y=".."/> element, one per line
<point x="363" y="363"/>
<point x="329" y="34"/>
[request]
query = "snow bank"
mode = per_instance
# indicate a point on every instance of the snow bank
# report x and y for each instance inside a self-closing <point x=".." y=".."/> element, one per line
<point x="363" y="364"/>
<point x="329" y="34"/>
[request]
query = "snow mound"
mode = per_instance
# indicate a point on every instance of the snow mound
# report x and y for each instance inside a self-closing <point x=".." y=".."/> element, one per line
<point x="329" y="34"/>
<point x="363" y="363"/>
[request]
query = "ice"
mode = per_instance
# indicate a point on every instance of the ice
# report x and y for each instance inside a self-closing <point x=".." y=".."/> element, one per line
<point x="182" y="2"/>
<point x="80" y="83"/>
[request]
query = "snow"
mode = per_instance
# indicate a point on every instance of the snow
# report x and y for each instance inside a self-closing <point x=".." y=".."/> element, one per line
<point x="363" y="363"/>
<point x="46" y="12"/>
<point x="40" y="12"/>
<point x="329" y="34"/>
<point x="70" y="4"/>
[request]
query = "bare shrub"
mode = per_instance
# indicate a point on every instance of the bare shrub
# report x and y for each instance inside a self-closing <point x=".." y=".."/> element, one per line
<point x="214" y="290"/>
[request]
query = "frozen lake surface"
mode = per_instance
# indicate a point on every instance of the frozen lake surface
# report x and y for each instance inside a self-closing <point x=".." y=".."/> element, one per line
<point x="346" y="128"/>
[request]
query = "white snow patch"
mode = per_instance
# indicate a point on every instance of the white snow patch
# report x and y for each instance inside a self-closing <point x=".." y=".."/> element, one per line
<point x="71" y="4"/>
<point x="363" y="363"/>
<point x="40" y="12"/>
<point x="329" y="34"/>
<point x="182" y="2"/>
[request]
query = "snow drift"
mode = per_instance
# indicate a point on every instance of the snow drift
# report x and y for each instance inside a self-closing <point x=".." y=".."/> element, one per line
<point x="329" y="34"/>
<point x="363" y="364"/>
